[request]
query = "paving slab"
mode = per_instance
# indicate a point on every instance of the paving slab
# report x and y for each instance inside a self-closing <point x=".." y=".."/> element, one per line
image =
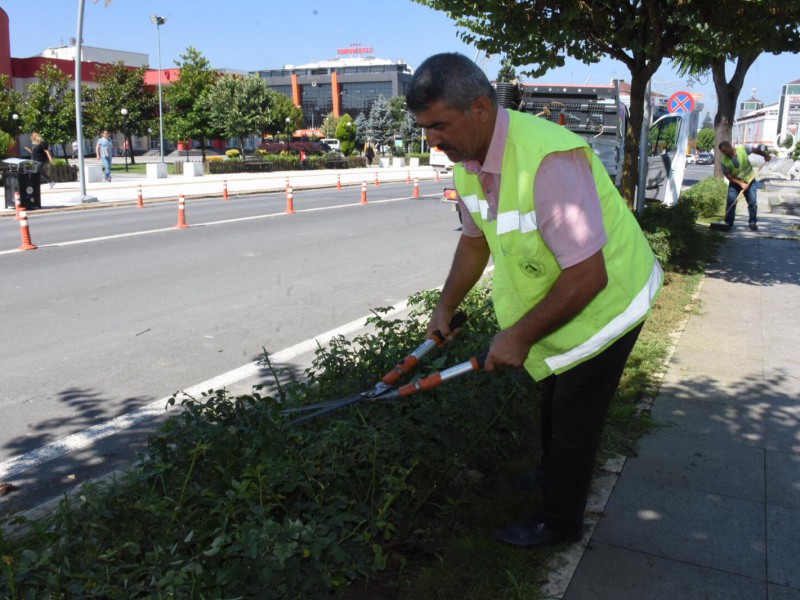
<point x="640" y="576"/>
<point x="696" y="527"/>
<point x="783" y="546"/>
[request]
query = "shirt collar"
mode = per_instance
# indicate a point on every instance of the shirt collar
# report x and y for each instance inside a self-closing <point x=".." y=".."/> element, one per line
<point x="494" y="157"/>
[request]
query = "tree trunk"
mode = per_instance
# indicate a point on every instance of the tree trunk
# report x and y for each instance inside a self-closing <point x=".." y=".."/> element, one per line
<point x="727" y="96"/>
<point x="130" y="149"/>
<point x="203" y="148"/>
<point x="630" y="165"/>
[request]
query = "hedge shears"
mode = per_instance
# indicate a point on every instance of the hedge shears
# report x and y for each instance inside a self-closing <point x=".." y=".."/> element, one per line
<point x="387" y="387"/>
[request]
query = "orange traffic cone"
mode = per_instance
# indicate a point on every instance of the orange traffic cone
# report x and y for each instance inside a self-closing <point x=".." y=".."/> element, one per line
<point x="25" y="231"/>
<point x="408" y="178"/>
<point x="338" y="181"/>
<point x="224" y="189"/>
<point x="363" y="192"/>
<point x="437" y="175"/>
<point x="289" y="201"/>
<point x="416" y="188"/>
<point x="17" y="206"/>
<point x="377" y="183"/>
<point x="139" y="198"/>
<point x="181" y="213"/>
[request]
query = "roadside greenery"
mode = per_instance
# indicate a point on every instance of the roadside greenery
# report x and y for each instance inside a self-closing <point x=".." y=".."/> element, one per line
<point x="386" y="499"/>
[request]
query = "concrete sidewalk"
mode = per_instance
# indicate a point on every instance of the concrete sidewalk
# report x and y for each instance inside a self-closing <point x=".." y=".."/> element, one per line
<point x="124" y="187"/>
<point x="710" y="507"/>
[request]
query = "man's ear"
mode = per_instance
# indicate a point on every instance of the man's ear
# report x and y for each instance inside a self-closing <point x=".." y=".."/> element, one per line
<point x="482" y="107"/>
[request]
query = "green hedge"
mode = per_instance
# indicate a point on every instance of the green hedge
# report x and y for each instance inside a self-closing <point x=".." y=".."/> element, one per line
<point x="708" y="197"/>
<point x="283" y="163"/>
<point x="230" y="498"/>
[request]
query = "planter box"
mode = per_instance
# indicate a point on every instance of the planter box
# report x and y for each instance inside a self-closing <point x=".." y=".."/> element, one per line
<point x="385" y="163"/>
<point x="192" y="169"/>
<point x="156" y="171"/>
<point x="398" y="162"/>
<point x="92" y="173"/>
<point x="413" y="162"/>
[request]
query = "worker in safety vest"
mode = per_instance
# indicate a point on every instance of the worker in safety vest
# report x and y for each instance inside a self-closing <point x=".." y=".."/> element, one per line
<point x="574" y="277"/>
<point x="741" y="177"/>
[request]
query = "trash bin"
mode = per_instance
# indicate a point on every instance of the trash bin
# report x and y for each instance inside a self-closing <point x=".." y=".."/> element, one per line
<point x="20" y="176"/>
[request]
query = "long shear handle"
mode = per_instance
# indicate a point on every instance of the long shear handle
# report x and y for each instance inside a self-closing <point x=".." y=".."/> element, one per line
<point x="436" y="379"/>
<point x="410" y="362"/>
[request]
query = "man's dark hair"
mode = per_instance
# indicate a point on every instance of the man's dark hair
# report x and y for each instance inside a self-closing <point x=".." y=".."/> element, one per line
<point x="450" y="78"/>
<point x="724" y="144"/>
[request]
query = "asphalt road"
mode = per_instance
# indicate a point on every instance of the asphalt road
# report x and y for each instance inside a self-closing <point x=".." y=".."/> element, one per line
<point x="117" y="308"/>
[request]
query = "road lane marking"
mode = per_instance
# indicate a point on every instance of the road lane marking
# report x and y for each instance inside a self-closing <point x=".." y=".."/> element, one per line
<point x="282" y="213"/>
<point x="18" y="465"/>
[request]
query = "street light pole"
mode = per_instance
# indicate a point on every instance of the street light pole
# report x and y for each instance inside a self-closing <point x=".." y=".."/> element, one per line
<point x="124" y="112"/>
<point x="158" y="22"/>
<point x="15" y="116"/>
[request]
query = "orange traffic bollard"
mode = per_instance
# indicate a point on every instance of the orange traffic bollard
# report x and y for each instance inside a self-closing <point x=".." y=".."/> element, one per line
<point x="338" y="181"/>
<point x="416" y="188"/>
<point x="224" y="189"/>
<point x="139" y="198"/>
<point x="437" y="175"/>
<point x="377" y="183"/>
<point x="25" y="231"/>
<point x="181" y="213"/>
<point x="408" y="178"/>
<point x="363" y="192"/>
<point x="288" y="185"/>
<point x="17" y="206"/>
<point x="289" y="201"/>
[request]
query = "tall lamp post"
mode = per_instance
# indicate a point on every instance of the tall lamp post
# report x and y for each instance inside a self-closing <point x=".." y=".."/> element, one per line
<point x="288" y="131"/>
<point x="158" y="22"/>
<point x="15" y="116"/>
<point x="124" y="112"/>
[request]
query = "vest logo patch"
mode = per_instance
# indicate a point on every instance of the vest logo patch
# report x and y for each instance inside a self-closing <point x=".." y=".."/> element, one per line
<point x="532" y="268"/>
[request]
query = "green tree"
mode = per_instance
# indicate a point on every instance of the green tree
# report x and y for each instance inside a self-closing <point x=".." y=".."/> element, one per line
<point x="506" y="74"/>
<point x="329" y="125"/>
<point x="122" y="87"/>
<point x="239" y="107"/>
<point x="705" y="139"/>
<point x="185" y="117"/>
<point x="380" y="124"/>
<point x="541" y="33"/>
<point x="10" y="104"/>
<point x="346" y="134"/>
<point x="397" y="106"/>
<point x="362" y="136"/>
<point x="716" y="40"/>
<point x="49" y="106"/>
<point x="281" y="108"/>
<point x="409" y="131"/>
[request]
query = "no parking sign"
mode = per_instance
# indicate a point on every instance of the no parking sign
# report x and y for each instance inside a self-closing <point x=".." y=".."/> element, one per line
<point x="680" y="102"/>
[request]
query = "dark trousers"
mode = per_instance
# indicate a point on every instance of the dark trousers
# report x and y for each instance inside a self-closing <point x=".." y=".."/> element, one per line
<point x="752" y="203"/>
<point x="574" y="407"/>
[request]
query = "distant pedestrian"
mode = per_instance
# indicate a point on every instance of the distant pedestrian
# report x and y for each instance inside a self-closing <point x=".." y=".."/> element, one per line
<point x="737" y="169"/>
<point x="103" y="152"/>
<point x="40" y="155"/>
<point x="75" y="149"/>
<point x="369" y="153"/>
<point x="303" y="159"/>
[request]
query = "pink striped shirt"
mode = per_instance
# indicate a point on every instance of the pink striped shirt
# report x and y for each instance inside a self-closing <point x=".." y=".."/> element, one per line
<point x="568" y="211"/>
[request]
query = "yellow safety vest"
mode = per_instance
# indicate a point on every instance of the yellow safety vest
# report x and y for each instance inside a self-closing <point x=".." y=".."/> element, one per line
<point x="744" y="172"/>
<point x="526" y="269"/>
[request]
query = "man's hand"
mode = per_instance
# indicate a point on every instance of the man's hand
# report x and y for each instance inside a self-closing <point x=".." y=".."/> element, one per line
<point x="507" y="351"/>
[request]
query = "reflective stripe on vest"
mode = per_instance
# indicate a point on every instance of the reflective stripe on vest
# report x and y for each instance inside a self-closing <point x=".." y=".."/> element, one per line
<point x="526" y="269"/>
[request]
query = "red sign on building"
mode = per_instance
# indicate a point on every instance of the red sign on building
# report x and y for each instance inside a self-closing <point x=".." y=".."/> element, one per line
<point x="355" y="49"/>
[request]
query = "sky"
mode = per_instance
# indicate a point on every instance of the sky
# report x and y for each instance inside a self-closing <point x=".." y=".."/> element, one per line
<point x="252" y="35"/>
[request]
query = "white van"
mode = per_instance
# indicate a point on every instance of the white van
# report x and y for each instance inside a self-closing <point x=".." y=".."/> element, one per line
<point x="439" y="161"/>
<point x="333" y="143"/>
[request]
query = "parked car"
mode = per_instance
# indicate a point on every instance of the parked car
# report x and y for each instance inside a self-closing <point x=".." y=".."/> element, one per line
<point x="705" y="158"/>
<point x="690" y="159"/>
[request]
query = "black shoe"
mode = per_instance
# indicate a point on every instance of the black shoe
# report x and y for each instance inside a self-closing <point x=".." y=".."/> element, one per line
<point x="530" y="480"/>
<point x="534" y="533"/>
<point x="753" y="227"/>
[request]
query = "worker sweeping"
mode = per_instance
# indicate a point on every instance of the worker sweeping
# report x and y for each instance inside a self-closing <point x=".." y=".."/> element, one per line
<point x="741" y="178"/>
